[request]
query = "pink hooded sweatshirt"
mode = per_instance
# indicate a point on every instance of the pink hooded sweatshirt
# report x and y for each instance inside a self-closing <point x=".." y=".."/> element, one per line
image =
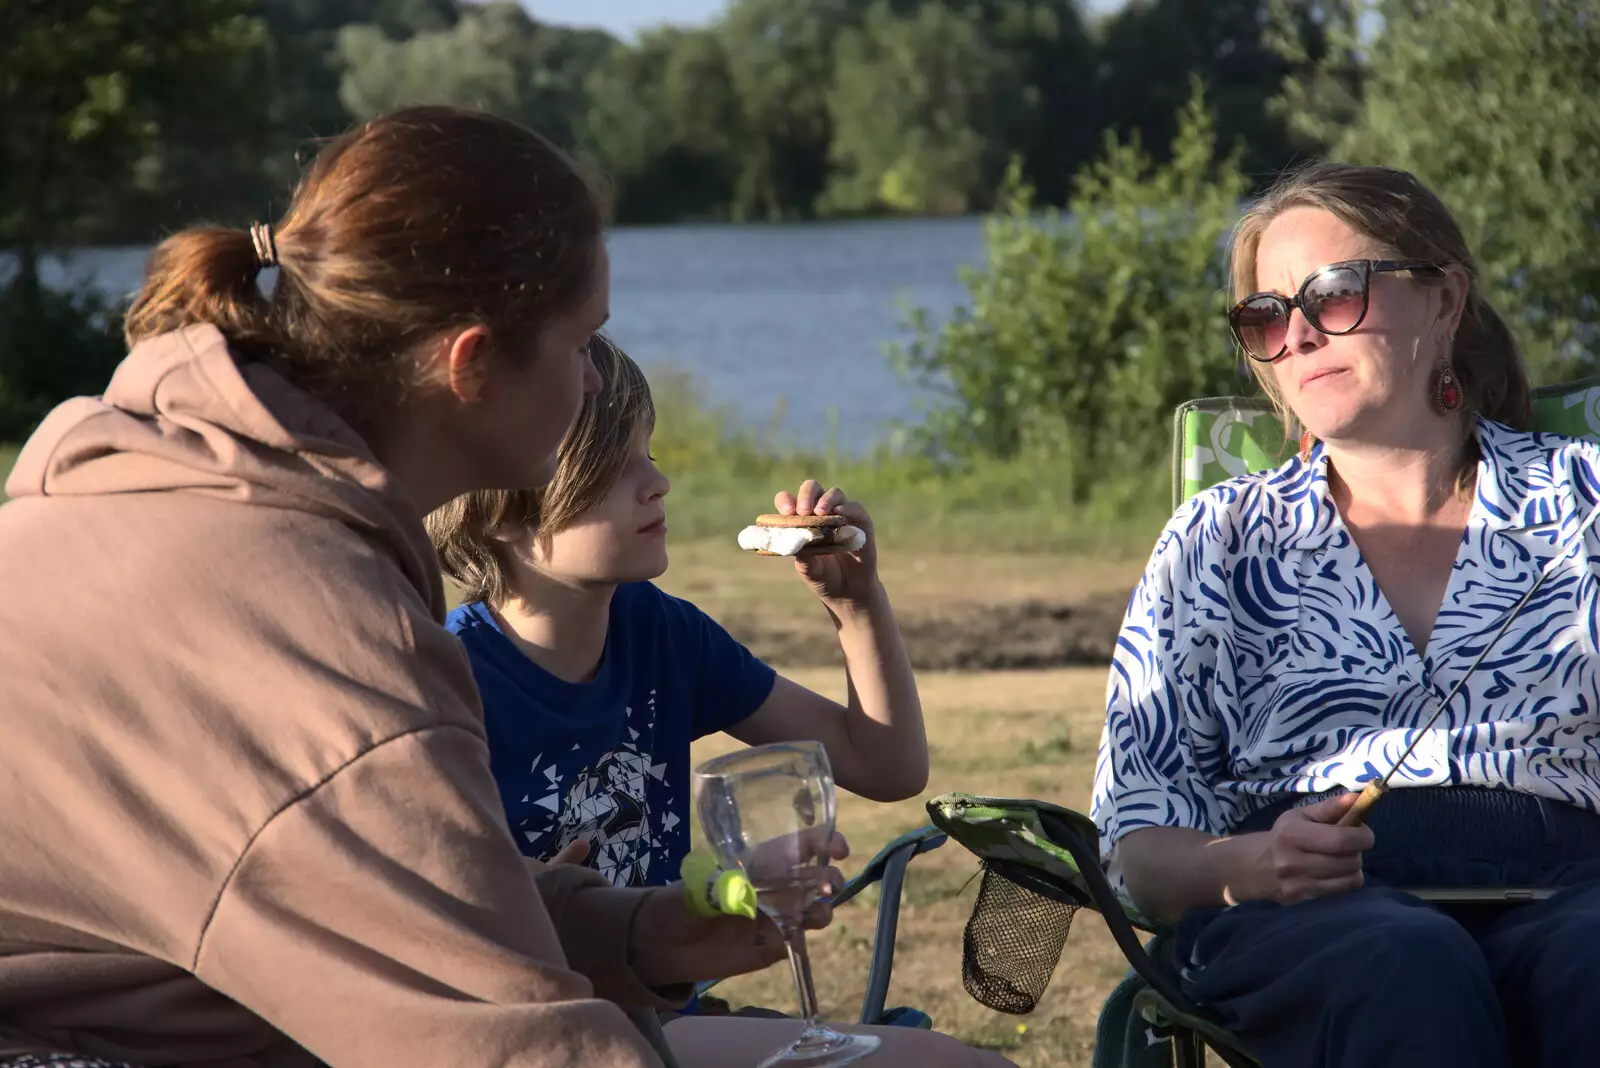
<point x="248" y="817"/>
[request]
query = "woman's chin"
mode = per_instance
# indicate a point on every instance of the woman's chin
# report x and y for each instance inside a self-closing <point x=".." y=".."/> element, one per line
<point x="1331" y="422"/>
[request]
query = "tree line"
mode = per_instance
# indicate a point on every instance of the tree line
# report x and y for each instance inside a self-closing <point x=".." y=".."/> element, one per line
<point x="121" y="118"/>
<point x="124" y="118"/>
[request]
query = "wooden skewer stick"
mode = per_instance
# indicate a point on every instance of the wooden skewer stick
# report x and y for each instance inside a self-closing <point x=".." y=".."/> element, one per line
<point x="1356" y="815"/>
<point x="1375" y="790"/>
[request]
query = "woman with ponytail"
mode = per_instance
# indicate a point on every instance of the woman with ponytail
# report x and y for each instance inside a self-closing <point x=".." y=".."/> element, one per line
<point x="249" y="813"/>
<point x="1297" y="631"/>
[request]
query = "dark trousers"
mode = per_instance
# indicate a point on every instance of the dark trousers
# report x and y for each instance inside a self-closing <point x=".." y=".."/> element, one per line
<point x="1378" y="977"/>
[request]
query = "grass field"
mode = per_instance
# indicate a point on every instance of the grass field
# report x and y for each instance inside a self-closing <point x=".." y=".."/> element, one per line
<point x="1012" y="734"/>
<point x="1016" y="733"/>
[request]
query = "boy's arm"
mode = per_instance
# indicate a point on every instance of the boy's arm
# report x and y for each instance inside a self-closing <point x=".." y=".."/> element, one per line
<point x="876" y="743"/>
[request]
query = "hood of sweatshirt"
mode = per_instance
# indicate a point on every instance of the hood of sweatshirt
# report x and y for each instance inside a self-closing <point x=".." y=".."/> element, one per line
<point x="181" y="415"/>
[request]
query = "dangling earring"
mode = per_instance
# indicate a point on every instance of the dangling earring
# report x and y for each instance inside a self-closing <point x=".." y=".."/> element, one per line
<point x="1306" y="441"/>
<point x="1447" y="396"/>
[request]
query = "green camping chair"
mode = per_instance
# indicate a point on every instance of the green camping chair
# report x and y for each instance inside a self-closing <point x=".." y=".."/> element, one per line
<point x="1041" y="862"/>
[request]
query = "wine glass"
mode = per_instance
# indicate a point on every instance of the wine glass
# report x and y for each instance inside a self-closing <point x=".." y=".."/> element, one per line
<point x="768" y="810"/>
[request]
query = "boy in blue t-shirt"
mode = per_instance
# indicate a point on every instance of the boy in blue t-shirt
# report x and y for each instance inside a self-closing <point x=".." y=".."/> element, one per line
<point x="594" y="682"/>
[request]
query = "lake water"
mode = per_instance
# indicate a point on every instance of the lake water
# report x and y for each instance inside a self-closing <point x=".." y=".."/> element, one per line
<point x="790" y="318"/>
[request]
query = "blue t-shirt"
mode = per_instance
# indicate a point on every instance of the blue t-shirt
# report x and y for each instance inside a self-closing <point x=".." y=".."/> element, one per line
<point x="608" y="760"/>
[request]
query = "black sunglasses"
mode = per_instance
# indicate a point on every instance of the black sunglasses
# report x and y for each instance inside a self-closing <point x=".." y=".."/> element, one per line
<point x="1333" y="299"/>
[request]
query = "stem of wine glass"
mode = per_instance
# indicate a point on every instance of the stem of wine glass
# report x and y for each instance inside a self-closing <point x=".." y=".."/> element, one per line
<point x="794" y="939"/>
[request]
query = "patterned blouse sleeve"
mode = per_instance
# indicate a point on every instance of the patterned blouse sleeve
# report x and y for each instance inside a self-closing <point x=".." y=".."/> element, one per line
<point x="1159" y="700"/>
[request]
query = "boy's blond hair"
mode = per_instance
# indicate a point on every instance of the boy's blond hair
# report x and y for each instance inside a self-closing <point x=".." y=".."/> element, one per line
<point x="591" y="459"/>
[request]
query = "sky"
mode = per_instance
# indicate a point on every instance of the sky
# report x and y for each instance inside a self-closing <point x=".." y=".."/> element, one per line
<point x="625" y="17"/>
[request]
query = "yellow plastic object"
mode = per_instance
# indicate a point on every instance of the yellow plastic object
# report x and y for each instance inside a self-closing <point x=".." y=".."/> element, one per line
<point x="711" y="891"/>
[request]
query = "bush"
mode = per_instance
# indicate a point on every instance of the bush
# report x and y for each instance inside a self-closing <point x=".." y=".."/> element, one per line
<point x="1492" y="103"/>
<point x="53" y="345"/>
<point x="1084" y="331"/>
<point x="723" y="473"/>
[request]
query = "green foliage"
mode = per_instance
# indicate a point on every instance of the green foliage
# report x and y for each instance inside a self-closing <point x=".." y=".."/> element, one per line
<point x="397" y="18"/>
<point x="1055" y="128"/>
<point x="307" y="71"/>
<point x="691" y="436"/>
<point x="89" y="89"/>
<point x="780" y="64"/>
<point x="933" y="150"/>
<point x="467" y="64"/>
<point x="1151" y="50"/>
<point x="664" y="121"/>
<point x="721" y="472"/>
<point x="53" y="345"/>
<point x="817" y="134"/>
<point x="1084" y="332"/>
<point x="492" y="57"/>
<point x="1321" y="95"/>
<point x="778" y="109"/>
<point x="1492" y="103"/>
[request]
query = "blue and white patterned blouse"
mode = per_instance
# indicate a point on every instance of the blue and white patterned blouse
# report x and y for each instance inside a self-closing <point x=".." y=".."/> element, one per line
<point x="1258" y="656"/>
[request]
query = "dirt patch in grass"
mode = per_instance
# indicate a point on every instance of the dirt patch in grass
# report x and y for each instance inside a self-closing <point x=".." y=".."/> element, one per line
<point x="960" y="637"/>
<point x="958" y="612"/>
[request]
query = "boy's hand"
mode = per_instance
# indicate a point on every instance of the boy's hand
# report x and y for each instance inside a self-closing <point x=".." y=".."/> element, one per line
<point x="847" y="580"/>
<point x="575" y="853"/>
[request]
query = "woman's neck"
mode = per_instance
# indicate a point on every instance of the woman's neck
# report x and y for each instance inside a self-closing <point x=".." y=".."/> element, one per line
<point x="561" y="626"/>
<point x="1411" y="482"/>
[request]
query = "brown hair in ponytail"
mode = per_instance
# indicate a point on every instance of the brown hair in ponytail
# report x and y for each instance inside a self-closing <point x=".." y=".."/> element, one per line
<point x="206" y="274"/>
<point x="419" y="221"/>
<point x="1402" y="215"/>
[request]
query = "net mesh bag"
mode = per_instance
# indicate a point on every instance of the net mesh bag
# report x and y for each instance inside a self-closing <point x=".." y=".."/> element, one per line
<point x="1013" y="940"/>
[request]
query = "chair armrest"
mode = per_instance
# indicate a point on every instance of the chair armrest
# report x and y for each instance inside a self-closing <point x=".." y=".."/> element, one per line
<point x="920" y="841"/>
<point x="887" y="866"/>
<point x="1110" y="907"/>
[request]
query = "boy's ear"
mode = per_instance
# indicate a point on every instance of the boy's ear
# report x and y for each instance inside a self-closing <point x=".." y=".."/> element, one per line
<point x="508" y="534"/>
<point x="523" y="543"/>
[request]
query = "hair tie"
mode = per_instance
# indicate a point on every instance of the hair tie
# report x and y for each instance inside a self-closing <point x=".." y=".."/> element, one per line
<point x="266" y="248"/>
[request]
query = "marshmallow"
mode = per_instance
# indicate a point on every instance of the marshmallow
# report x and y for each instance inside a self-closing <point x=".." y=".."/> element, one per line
<point x="850" y="539"/>
<point x="787" y="541"/>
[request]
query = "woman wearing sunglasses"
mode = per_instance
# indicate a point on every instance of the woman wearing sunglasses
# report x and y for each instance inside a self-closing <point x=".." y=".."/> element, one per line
<point x="1296" y="629"/>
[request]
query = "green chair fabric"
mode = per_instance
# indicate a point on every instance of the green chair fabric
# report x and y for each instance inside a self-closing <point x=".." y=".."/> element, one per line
<point x="1218" y="438"/>
<point x="1146" y="1021"/>
<point x="997" y="828"/>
